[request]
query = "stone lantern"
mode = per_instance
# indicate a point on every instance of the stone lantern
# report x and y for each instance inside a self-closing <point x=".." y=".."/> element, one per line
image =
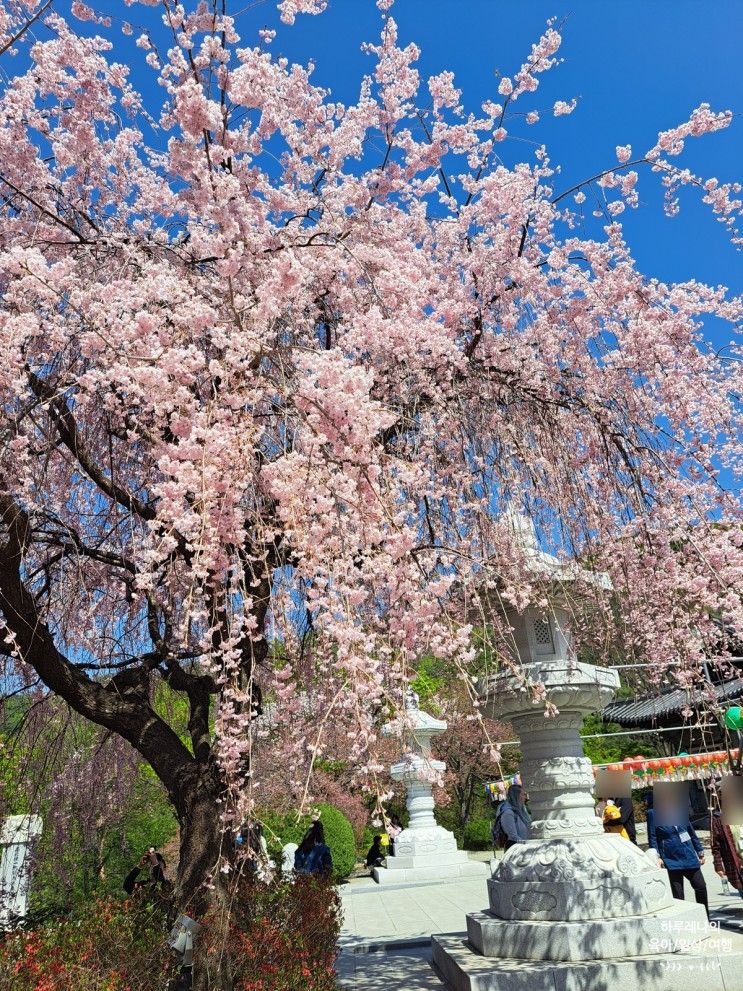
<point x="424" y="851"/>
<point x="572" y="907"/>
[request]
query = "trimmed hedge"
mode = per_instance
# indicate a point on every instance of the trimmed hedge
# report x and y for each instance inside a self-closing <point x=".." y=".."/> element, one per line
<point x="362" y="847"/>
<point x="338" y="835"/>
<point x="477" y="834"/>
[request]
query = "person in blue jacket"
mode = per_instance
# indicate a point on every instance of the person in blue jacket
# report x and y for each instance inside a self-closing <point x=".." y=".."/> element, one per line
<point x="679" y="849"/>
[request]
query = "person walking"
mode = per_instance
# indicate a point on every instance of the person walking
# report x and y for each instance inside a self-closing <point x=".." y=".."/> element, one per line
<point x="726" y="841"/>
<point x="679" y="850"/>
<point x="512" y="821"/>
<point x="313" y="855"/>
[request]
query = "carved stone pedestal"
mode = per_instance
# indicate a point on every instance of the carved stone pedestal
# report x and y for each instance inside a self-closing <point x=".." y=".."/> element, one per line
<point x="574" y="907"/>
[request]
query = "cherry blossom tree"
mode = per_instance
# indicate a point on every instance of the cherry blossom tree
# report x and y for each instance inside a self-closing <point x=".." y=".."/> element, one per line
<point x="466" y="748"/>
<point x="270" y="361"/>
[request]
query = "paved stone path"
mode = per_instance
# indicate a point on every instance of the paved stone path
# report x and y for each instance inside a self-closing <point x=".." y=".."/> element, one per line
<point x="385" y="940"/>
<point x="374" y="916"/>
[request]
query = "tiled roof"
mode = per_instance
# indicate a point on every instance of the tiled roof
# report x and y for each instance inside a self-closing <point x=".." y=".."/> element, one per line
<point x="651" y="709"/>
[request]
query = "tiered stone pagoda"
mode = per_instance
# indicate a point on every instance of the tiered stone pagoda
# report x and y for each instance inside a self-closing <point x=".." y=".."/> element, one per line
<point x="425" y="851"/>
<point x="573" y="908"/>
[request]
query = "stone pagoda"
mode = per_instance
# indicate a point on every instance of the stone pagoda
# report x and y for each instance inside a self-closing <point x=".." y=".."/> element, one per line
<point x="573" y="908"/>
<point x="424" y="852"/>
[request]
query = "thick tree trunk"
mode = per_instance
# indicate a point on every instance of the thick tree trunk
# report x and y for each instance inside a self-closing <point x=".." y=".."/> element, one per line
<point x="201" y="888"/>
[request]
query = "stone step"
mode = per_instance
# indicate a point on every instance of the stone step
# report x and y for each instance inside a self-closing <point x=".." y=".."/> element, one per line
<point x="683" y="924"/>
<point x="716" y="964"/>
<point x="400" y="863"/>
<point x="425" y="875"/>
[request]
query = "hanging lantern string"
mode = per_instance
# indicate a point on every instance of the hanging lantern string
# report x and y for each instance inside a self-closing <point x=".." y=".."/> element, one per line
<point x="685" y="767"/>
<point x="629" y="732"/>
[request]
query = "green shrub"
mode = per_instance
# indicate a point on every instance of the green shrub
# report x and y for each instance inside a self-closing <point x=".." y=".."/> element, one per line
<point x="477" y="834"/>
<point x="362" y="847"/>
<point x="284" y="828"/>
<point x="447" y="816"/>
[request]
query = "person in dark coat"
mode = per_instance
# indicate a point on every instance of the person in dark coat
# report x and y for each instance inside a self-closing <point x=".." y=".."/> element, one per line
<point x="726" y="841"/>
<point x="375" y="856"/>
<point x="513" y="818"/>
<point x="627" y="816"/>
<point x="156" y="864"/>
<point x="149" y="873"/>
<point x="679" y="851"/>
<point x="313" y="854"/>
<point x="132" y="881"/>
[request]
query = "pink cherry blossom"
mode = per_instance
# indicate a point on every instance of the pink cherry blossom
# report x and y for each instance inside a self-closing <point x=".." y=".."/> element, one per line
<point x="290" y="8"/>
<point x="561" y="108"/>
<point x="505" y="87"/>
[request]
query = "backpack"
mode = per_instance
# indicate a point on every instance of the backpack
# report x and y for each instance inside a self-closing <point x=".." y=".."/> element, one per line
<point x="497" y="832"/>
<point x="314" y="862"/>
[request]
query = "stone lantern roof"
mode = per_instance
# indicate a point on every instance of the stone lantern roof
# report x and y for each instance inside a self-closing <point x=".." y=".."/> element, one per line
<point x="544" y="564"/>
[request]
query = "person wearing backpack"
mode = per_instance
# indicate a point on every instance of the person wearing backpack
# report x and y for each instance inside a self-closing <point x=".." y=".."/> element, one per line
<point x="512" y="821"/>
<point x="313" y="855"/>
